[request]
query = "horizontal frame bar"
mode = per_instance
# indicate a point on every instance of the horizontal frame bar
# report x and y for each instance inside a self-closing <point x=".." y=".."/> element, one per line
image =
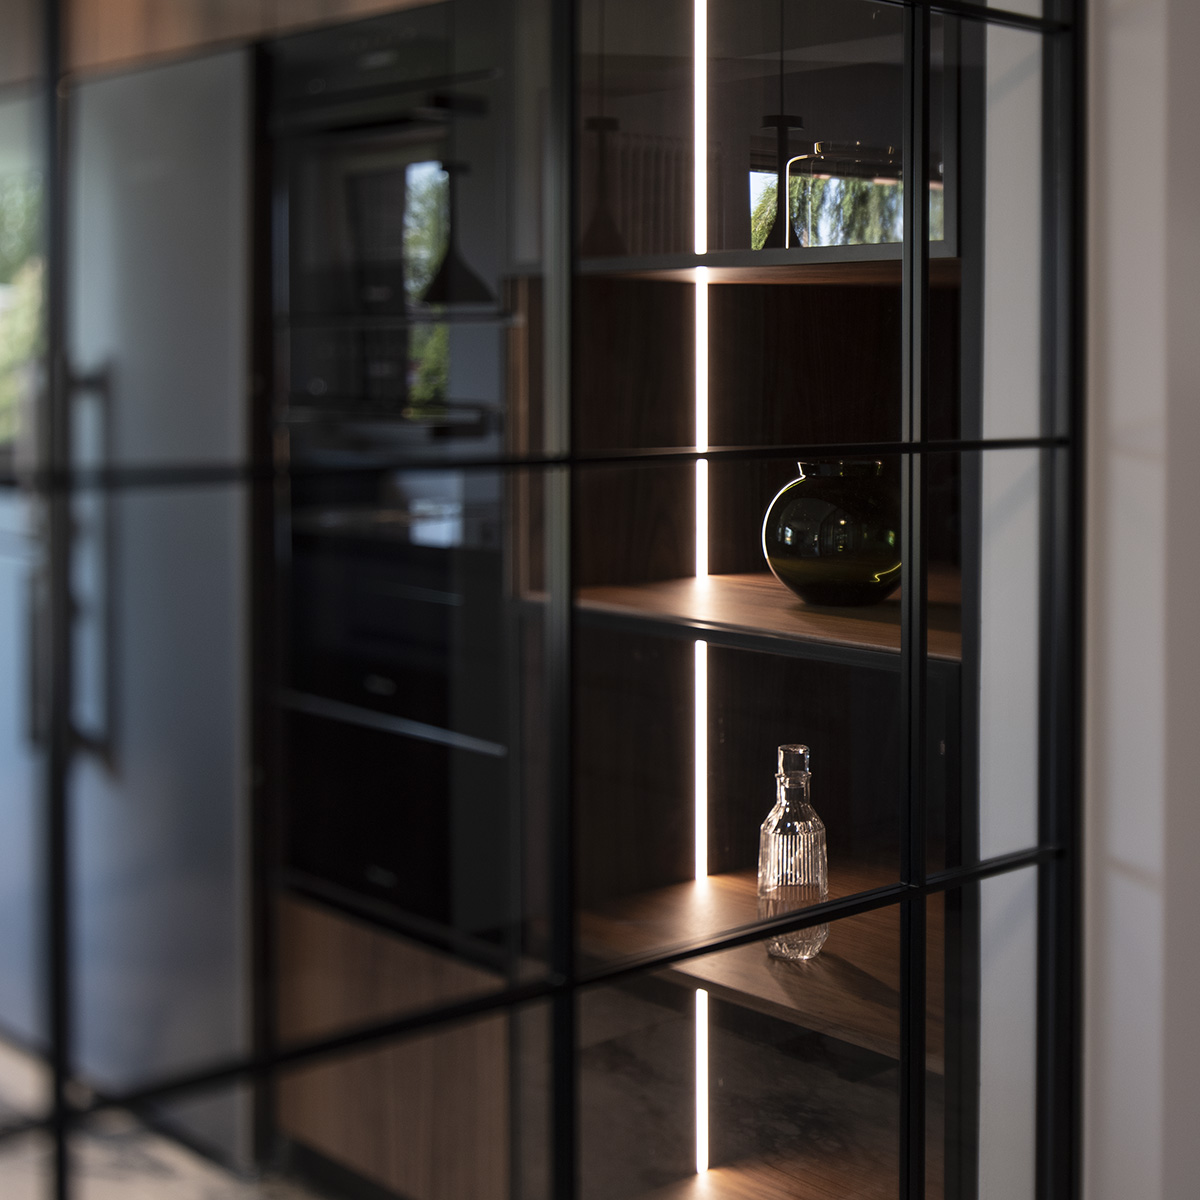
<point x="369" y="718"/>
<point x="215" y="475"/>
<point x="379" y="1033"/>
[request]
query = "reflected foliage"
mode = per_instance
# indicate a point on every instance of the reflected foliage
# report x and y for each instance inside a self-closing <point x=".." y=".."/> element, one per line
<point x="426" y="225"/>
<point x="832" y="211"/>
<point x="20" y="214"/>
<point x="426" y="232"/>
<point x="20" y="292"/>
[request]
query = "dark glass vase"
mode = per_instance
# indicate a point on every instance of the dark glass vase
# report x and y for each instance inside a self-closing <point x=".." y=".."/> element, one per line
<point x="833" y="534"/>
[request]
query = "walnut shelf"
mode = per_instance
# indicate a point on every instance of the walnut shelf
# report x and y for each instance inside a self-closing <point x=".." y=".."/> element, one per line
<point x="819" y="1176"/>
<point x="760" y="605"/>
<point x="772" y="267"/>
<point x="850" y="991"/>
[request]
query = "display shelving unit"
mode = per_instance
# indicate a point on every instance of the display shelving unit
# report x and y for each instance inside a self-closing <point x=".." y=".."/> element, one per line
<point x="609" y="634"/>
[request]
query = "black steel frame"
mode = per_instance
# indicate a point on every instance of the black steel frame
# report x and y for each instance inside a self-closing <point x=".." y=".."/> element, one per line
<point x="1056" y="858"/>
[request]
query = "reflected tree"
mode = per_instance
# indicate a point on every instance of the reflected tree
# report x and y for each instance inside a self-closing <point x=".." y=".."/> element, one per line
<point x="831" y="211"/>
<point x="20" y="292"/>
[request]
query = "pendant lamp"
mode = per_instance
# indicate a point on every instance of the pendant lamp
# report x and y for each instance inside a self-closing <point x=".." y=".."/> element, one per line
<point x="782" y="123"/>
<point x="603" y="236"/>
<point x="455" y="282"/>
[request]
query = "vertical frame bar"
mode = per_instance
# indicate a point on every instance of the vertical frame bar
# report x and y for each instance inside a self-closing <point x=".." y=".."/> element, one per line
<point x="915" y="384"/>
<point x="558" y="263"/>
<point x="962" y="936"/>
<point x="261" y="571"/>
<point x="1060" y="988"/>
<point x="55" y="462"/>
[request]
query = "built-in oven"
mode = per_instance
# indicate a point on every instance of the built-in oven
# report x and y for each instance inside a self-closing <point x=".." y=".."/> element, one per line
<point x="388" y="389"/>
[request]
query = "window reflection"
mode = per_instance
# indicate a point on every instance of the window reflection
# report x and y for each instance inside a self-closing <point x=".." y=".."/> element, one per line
<point x="20" y="266"/>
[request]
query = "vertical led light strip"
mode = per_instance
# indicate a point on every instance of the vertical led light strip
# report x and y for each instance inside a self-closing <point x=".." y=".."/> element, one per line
<point x="700" y="219"/>
<point x="700" y="229"/>
<point x="701" y="758"/>
<point x="700" y="122"/>
<point x="701" y="1081"/>
<point x="702" y="422"/>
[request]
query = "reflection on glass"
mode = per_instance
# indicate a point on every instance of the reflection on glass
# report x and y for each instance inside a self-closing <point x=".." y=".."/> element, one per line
<point x="840" y="195"/>
<point x="636" y="135"/>
<point x="982" y="992"/>
<point x="20" y="269"/>
<point x="780" y="1078"/>
<point x="786" y="79"/>
<point x="440" y="1116"/>
<point x="455" y="281"/>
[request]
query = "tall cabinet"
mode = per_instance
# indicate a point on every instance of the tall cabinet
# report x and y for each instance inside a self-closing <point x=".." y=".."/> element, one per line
<point x="554" y="299"/>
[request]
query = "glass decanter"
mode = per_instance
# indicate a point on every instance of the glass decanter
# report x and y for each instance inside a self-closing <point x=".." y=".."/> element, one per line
<point x="792" y="866"/>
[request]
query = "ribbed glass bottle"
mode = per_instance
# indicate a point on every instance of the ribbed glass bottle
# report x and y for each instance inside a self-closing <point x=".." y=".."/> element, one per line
<point x="793" y="869"/>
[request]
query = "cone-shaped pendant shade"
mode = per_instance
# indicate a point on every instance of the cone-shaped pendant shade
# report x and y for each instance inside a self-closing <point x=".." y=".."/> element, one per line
<point x="455" y="282"/>
<point x="603" y="239"/>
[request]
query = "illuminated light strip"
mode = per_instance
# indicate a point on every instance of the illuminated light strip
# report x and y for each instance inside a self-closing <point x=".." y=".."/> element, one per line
<point x="701" y="758"/>
<point x="701" y="358"/>
<point x="700" y="122"/>
<point x="701" y="1081"/>
<point x="700" y="219"/>
<point x="701" y="422"/>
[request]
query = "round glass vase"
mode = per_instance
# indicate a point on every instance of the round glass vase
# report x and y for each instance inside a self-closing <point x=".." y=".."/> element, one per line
<point x="833" y="535"/>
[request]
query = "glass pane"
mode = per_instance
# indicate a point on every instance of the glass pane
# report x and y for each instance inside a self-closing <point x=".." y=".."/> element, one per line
<point x="802" y="349"/>
<point x="996" y="341"/>
<point x="337" y="970"/>
<point x="456" y="1113"/>
<point x="806" y="96"/>
<point x="986" y="536"/>
<point x="982" y="992"/>
<point x="24" y="1085"/>
<point x="21" y="45"/>
<point x="24" y="646"/>
<point x="392" y="1115"/>
<point x="782" y="359"/>
<point x="159" y="28"/>
<point x="635" y="183"/>
<point x="407" y="805"/>
<point x="804" y="364"/>
<point x="25" y="667"/>
<point x="21" y="212"/>
<point x="412" y="731"/>
<point x="686" y="686"/>
<point x="414" y="717"/>
<point x="26" y="1166"/>
<point x="158" y="284"/>
<point x="408" y="272"/>
<point x="1027" y="8"/>
<point x="115" y="1153"/>
<point x="159" y="807"/>
<point x="740" y="1074"/>
<point x="951" y="639"/>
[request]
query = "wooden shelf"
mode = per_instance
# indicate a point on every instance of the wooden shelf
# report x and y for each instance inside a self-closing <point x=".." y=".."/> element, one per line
<point x="868" y="267"/>
<point x="759" y="605"/>
<point x="850" y="991"/>
<point x="819" y="1175"/>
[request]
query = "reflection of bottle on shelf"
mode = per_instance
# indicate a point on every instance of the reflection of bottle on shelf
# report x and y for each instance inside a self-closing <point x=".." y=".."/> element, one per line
<point x="792" y="867"/>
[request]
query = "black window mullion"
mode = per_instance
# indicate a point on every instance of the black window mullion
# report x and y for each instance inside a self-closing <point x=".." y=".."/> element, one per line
<point x="54" y="452"/>
<point x="915" y="391"/>
<point x="1059" y="967"/>
<point x="558" y="275"/>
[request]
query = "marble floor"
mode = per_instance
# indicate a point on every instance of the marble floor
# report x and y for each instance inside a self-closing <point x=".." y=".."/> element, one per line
<point x="116" y="1158"/>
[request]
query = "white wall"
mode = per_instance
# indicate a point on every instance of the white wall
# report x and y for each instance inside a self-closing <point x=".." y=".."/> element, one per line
<point x="1142" y="1038"/>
